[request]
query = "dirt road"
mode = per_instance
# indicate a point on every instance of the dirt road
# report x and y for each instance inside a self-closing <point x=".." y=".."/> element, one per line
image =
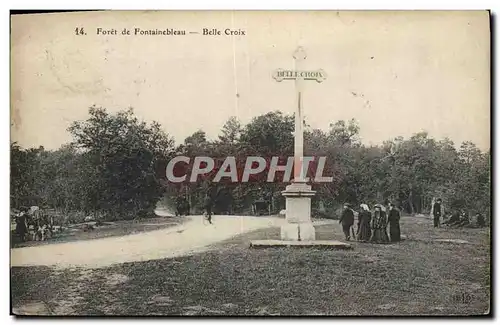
<point x="193" y="236"/>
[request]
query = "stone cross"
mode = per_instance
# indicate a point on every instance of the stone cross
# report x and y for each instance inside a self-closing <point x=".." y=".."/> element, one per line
<point x="299" y="76"/>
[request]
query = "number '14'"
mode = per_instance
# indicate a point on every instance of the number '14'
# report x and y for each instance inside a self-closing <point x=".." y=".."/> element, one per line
<point x="80" y="31"/>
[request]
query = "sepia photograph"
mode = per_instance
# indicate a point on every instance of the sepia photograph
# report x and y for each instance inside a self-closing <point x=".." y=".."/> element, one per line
<point x="250" y="163"/>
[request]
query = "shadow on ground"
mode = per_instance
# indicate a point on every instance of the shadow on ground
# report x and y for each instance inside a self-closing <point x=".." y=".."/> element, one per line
<point x="418" y="276"/>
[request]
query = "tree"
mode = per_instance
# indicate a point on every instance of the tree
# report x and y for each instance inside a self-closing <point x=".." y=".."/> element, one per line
<point x="469" y="152"/>
<point x="116" y="165"/>
<point x="270" y="134"/>
<point x="230" y="131"/>
<point x="23" y="167"/>
<point x="345" y="133"/>
<point x="122" y="154"/>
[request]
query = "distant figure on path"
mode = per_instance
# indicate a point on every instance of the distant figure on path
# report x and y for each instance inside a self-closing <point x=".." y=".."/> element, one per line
<point x="437" y="212"/>
<point x="182" y="206"/>
<point x="364" y="218"/>
<point x="209" y="202"/>
<point x="480" y="220"/>
<point x="208" y="207"/>
<point x="347" y="220"/>
<point x="393" y="218"/>
<point x="379" y="226"/>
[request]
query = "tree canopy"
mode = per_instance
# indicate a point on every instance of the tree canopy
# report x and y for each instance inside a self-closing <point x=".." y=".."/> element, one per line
<point x="115" y="166"/>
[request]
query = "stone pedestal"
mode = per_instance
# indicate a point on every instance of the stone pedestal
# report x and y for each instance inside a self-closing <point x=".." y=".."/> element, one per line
<point x="299" y="225"/>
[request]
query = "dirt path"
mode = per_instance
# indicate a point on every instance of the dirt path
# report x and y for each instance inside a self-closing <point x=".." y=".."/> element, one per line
<point x="193" y="236"/>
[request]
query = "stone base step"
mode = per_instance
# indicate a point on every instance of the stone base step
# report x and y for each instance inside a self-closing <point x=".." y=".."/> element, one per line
<point x="322" y="244"/>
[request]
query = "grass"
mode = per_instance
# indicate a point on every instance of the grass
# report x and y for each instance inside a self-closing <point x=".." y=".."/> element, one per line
<point x="415" y="277"/>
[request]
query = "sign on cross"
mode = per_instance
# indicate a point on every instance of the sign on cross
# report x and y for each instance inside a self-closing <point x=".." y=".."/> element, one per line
<point x="281" y="75"/>
<point x="299" y="75"/>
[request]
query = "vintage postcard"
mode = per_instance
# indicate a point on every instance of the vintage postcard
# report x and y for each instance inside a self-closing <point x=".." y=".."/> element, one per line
<point x="250" y="163"/>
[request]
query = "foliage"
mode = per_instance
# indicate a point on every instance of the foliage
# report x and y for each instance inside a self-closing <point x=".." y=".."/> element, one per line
<point x="110" y="168"/>
<point x="116" y="166"/>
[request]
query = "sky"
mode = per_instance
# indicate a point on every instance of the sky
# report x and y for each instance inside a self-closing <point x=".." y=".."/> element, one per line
<point x="396" y="73"/>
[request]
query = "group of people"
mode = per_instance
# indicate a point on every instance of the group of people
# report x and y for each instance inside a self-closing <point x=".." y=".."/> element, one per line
<point x="457" y="219"/>
<point x="372" y="225"/>
<point x="33" y="221"/>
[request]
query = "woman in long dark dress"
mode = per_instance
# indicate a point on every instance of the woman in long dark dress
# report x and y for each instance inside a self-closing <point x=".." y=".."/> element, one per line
<point x="21" y="226"/>
<point x="393" y="218"/>
<point x="379" y="226"/>
<point x="364" y="218"/>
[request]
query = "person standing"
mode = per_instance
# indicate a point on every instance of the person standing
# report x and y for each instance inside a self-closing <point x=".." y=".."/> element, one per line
<point x="393" y="219"/>
<point x="347" y="220"/>
<point x="437" y="212"/>
<point x="187" y="206"/>
<point x="180" y="205"/>
<point x="480" y="221"/>
<point x="379" y="226"/>
<point x="364" y="218"/>
<point x="21" y="225"/>
<point x="208" y="206"/>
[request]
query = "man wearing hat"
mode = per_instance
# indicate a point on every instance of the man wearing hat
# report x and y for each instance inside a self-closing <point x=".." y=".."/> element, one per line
<point x="347" y="220"/>
<point x="437" y="212"/>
